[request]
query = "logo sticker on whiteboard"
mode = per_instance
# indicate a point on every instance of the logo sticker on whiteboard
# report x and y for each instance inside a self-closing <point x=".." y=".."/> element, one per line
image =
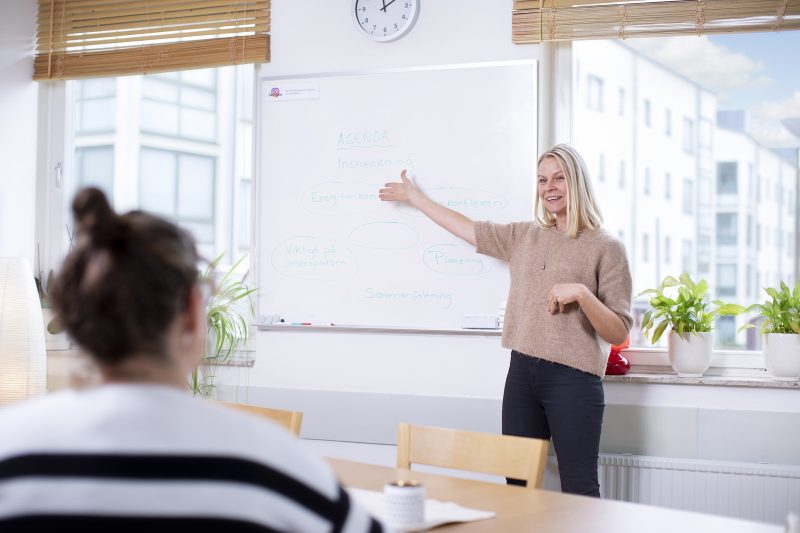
<point x="292" y="90"/>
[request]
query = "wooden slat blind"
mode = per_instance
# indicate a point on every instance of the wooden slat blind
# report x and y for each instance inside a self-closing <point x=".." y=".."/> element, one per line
<point x="535" y="21"/>
<point x="91" y="38"/>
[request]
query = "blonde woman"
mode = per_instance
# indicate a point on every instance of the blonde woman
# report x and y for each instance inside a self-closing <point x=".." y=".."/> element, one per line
<point x="569" y="299"/>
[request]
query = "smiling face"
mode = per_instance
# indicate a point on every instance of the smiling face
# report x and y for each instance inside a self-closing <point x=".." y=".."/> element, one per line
<point x="552" y="188"/>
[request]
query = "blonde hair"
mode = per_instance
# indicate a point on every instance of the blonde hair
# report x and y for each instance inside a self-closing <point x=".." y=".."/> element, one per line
<point x="582" y="209"/>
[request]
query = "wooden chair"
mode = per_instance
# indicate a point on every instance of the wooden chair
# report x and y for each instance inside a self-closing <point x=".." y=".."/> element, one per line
<point x="290" y="420"/>
<point x="486" y="453"/>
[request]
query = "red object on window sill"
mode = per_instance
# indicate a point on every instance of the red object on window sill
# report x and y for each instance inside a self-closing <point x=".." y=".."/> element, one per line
<point x="617" y="364"/>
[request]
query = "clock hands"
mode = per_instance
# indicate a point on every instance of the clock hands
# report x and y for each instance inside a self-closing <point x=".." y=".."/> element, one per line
<point x="385" y="5"/>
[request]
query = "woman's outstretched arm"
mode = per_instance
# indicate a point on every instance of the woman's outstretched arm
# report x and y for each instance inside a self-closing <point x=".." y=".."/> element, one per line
<point x="406" y="192"/>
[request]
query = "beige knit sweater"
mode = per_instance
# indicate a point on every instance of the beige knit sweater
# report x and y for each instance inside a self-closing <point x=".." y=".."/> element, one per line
<point x="539" y="258"/>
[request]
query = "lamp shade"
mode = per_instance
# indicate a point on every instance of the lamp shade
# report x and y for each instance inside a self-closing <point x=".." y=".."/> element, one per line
<point x="23" y="360"/>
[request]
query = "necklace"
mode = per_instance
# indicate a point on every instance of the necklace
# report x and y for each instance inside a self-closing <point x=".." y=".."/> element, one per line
<point x="547" y="252"/>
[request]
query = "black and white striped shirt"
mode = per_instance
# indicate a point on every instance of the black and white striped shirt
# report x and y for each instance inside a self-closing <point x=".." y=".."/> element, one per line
<point x="149" y="458"/>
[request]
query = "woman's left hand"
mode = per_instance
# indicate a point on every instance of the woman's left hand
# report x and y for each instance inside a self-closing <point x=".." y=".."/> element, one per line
<point x="564" y="294"/>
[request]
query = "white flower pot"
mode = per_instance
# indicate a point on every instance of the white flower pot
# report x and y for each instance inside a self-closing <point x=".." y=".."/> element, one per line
<point x="690" y="354"/>
<point x="782" y="355"/>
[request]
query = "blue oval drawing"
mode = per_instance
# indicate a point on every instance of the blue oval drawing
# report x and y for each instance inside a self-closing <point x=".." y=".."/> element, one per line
<point x="455" y="259"/>
<point x="384" y="236"/>
<point x="340" y="198"/>
<point x="315" y="258"/>
<point x="476" y="201"/>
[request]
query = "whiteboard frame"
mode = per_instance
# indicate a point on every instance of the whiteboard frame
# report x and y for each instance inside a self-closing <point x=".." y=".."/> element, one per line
<point x="256" y="218"/>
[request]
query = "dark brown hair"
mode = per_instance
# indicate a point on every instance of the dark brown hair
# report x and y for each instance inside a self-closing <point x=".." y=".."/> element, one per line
<point x="126" y="280"/>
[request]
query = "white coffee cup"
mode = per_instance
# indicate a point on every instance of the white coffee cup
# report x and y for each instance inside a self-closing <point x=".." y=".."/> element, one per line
<point x="404" y="503"/>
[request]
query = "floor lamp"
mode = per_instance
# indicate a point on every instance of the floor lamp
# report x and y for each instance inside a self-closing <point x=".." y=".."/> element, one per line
<point x="23" y="359"/>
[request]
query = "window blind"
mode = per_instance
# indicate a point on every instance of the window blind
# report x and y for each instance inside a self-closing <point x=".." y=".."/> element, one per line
<point x="536" y="21"/>
<point x="91" y="38"/>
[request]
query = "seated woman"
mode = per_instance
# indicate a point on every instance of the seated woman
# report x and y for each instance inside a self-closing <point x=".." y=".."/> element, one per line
<point x="137" y="453"/>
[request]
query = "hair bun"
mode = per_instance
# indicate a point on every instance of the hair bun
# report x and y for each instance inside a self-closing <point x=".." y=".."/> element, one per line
<point x="94" y="216"/>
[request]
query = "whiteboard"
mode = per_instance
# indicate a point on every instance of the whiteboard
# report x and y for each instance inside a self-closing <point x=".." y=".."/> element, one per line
<point x="329" y="251"/>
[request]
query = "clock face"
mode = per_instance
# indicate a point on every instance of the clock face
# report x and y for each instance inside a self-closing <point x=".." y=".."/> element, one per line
<point x="385" y="20"/>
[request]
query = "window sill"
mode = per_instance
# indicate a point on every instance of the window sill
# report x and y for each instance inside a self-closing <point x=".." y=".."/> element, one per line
<point x="713" y="377"/>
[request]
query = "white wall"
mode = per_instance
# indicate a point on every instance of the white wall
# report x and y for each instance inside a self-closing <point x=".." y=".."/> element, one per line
<point x="18" y="94"/>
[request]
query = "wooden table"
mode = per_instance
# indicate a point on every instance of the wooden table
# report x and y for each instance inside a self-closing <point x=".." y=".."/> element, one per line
<point x="518" y="509"/>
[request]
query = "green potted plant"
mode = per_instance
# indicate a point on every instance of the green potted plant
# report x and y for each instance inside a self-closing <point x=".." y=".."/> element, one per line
<point x="781" y="330"/>
<point x="228" y="327"/>
<point x="689" y="317"/>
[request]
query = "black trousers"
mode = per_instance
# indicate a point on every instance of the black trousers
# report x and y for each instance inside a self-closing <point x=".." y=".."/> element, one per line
<point x="544" y="399"/>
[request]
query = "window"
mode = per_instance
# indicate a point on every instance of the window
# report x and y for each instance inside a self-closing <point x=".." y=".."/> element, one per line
<point x="703" y="254"/>
<point x="758" y="237"/>
<point x="94" y="167"/>
<point x="718" y="171"/>
<point x="687" y="265"/>
<point x="668" y="123"/>
<point x="726" y="329"/>
<point x="184" y="149"/>
<point x="727" y="177"/>
<point x="726" y="229"/>
<point x="95" y="106"/>
<point x="726" y="280"/>
<point x="688" y="135"/>
<point x="667" y="186"/>
<point x="749" y="281"/>
<point x="688" y="196"/>
<point x="594" y="93"/>
<point x="601" y="167"/>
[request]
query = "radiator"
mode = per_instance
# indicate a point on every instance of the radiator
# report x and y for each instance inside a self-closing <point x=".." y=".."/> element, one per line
<point x="765" y="493"/>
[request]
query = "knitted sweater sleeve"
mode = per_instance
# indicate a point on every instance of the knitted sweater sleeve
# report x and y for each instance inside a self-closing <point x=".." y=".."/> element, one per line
<point x="614" y="284"/>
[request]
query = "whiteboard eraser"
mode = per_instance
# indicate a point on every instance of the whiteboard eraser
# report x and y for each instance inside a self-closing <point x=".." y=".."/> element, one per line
<point x="480" y="322"/>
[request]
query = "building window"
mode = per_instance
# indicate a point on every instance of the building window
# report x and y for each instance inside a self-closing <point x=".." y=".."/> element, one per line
<point x="726" y="329"/>
<point x="727" y="177"/>
<point x="749" y="230"/>
<point x="180" y="186"/>
<point x="667" y="186"/>
<point x="726" y="280"/>
<point x="758" y="237"/>
<point x="688" y="135"/>
<point x="726" y="228"/>
<point x="645" y="247"/>
<point x="622" y="174"/>
<point x="601" y="167"/>
<point x="749" y="281"/>
<point x="183" y="104"/>
<point x="646" y="180"/>
<point x="594" y="93"/>
<point x="647" y="113"/>
<point x="667" y="250"/>
<point x="621" y="109"/>
<point x="94" y="167"/>
<point x="688" y="196"/>
<point x="95" y="105"/>
<point x="687" y="256"/>
<point x="668" y="123"/>
<point x="703" y="254"/>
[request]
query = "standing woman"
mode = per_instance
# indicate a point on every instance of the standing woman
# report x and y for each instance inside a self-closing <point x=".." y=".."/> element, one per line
<point x="569" y="299"/>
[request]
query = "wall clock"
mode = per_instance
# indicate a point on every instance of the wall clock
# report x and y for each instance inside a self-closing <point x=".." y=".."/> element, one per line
<point x="385" y="20"/>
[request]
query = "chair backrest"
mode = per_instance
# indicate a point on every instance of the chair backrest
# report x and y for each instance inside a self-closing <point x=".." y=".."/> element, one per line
<point x="486" y="453"/>
<point x="290" y="420"/>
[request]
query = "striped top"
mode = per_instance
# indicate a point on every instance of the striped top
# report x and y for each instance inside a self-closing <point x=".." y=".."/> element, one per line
<point x="149" y="458"/>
